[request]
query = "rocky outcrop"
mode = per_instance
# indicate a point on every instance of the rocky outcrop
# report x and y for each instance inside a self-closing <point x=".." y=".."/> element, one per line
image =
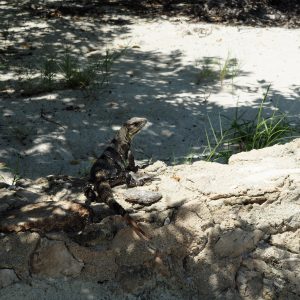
<point x="218" y="232"/>
<point x="52" y="259"/>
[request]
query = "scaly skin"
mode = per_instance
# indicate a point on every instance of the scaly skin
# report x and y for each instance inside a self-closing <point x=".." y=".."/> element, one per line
<point x="112" y="168"/>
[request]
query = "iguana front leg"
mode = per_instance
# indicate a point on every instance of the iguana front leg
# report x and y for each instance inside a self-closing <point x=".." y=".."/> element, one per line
<point x="131" y="163"/>
<point x="131" y="181"/>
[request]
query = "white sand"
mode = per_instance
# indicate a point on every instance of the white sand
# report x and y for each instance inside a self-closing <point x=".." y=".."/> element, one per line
<point x="155" y="78"/>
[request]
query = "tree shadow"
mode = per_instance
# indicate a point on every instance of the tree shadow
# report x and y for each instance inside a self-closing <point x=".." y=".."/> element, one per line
<point x="168" y="91"/>
<point x="63" y="131"/>
<point x="68" y="128"/>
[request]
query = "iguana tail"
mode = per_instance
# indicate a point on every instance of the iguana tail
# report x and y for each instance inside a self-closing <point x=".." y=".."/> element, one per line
<point x="105" y="193"/>
<point x="137" y="229"/>
<point x="115" y="206"/>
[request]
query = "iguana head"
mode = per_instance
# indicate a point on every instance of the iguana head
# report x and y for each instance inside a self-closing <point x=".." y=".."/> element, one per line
<point x="134" y="125"/>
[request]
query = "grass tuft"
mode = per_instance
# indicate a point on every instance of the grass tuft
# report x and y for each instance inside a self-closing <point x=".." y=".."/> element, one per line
<point x="217" y="70"/>
<point x="16" y="175"/>
<point x="245" y="135"/>
<point x="70" y="72"/>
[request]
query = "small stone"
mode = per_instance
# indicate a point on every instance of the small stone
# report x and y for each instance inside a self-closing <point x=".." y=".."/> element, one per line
<point x="167" y="221"/>
<point x="158" y="167"/>
<point x="142" y="197"/>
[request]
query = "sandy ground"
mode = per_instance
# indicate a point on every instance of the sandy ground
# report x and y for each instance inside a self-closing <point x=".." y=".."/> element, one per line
<point x="158" y="77"/>
<point x="77" y="290"/>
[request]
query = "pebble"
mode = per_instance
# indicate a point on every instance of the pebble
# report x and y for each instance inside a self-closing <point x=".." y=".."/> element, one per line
<point x="142" y="197"/>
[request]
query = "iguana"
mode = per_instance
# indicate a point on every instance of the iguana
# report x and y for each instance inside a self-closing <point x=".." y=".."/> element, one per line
<point x="113" y="167"/>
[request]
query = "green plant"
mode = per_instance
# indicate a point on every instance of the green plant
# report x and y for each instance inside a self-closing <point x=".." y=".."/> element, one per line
<point x="207" y="71"/>
<point x="213" y="69"/>
<point x="174" y="159"/>
<point x="29" y="83"/>
<point x="92" y="73"/>
<point x="96" y="71"/>
<point x="14" y="171"/>
<point x="69" y="68"/>
<point x="48" y="71"/>
<point x="228" y="69"/>
<point x="189" y="158"/>
<point x="245" y="135"/>
<point x="103" y="65"/>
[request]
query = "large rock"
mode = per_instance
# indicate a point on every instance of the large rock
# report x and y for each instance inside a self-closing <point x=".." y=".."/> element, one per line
<point x="7" y="277"/>
<point x="99" y="265"/>
<point x="218" y="232"/>
<point x="53" y="259"/>
<point x="16" y="251"/>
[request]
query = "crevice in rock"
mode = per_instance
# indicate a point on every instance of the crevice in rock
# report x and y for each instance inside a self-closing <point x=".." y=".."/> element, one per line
<point x="30" y="260"/>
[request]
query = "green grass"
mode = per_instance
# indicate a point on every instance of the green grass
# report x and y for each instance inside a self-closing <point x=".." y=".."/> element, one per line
<point x="245" y="135"/>
<point x="218" y="70"/>
<point x="207" y="71"/>
<point x="16" y="176"/>
<point x="93" y="73"/>
<point x="229" y="69"/>
<point x="69" y="72"/>
<point x="74" y="75"/>
<point x="48" y="71"/>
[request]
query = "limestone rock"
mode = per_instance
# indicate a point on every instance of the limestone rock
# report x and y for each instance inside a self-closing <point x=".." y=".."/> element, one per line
<point x="157" y="168"/>
<point x="3" y="207"/>
<point x="3" y="185"/>
<point x="16" y="250"/>
<point x="52" y="259"/>
<point x="99" y="265"/>
<point x="250" y="284"/>
<point x="142" y="197"/>
<point x="280" y="270"/>
<point x="218" y="232"/>
<point x="287" y="240"/>
<point x="136" y="279"/>
<point x="7" y="277"/>
<point x="131" y="249"/>
<point x="235" y="242"/>
<point x="10" y="199"/>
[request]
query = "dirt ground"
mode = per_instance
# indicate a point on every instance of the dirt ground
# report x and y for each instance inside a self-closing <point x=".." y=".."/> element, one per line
<point x="169" y="71"/>
<point x="238" y="12"/>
